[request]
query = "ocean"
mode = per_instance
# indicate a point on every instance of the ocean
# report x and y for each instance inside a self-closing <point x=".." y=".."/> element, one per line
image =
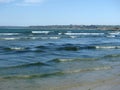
<point x="32" y="59"/>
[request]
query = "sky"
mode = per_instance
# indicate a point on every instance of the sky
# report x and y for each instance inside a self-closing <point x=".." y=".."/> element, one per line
<point x="59" y="12"/>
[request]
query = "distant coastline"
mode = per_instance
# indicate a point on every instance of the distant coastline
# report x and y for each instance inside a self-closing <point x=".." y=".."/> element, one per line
<point x="66" y="27"/>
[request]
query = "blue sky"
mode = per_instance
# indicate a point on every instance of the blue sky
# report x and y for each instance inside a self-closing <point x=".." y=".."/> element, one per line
<point x="59" y="12"/>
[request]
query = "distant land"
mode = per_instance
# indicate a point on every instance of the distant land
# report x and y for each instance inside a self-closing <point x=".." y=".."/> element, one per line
<point x="66" y="27"/>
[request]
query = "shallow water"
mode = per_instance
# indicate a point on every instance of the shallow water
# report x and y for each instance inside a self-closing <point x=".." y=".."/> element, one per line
<point x="40" y="58"/>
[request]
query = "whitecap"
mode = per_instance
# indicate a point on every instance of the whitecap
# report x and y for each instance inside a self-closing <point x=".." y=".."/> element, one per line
<point x="9" y="38"/>
<point x="5" y="34"/>
<point x="69" y="33"/>
<point x="17" y="48"/>
<point x="107" y="47"/>
<point x="40" y="32"/>
<point x="54" y="37"/>
<point x="115" y="33"/>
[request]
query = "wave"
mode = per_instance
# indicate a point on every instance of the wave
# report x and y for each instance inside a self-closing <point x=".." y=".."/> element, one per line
<point x="40" y="32"/>
<point x="9" y="34"/>
<point x="111" y="56"/>
<point x="58" y="73"/>
<point x="27" y="65"/>
<point x="16" y="48"/>
<point x="31" y="64"/>
<point x="65" y="48"/>
<point x="88" y="69"/>
<point x="83" y="33"/>
<point x="10" y="38"/>
<point x="111" y="36"/>
<point x="114" y="33"/>
<point x="72" y="60"/>
<point x="37" y="51"/>
<point x="73" y="37"/>
<point x="54" y="37"/>
<point x="41" y="47"/>
<point x="107" y="47"/>
<point x="24" y="49"/>
<point x="100" y="47"/>
<point x="27" y="38"/>
<point x="31" y="38"/>
<point x="69" y="48"/>
<point x="33" y="76"/>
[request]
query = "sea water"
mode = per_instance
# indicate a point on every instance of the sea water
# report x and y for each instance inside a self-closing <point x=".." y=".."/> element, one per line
<point x="45" y="59"/>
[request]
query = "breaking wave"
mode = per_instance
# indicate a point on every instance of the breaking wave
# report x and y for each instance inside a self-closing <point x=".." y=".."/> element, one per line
<point x="16" y="48"/>
<point x="88" y="69"/>
<point x="9" y="34"/>
<point x="79" y="47"/>
<point x="107" y="47"/>
<point x="10" y="38"/>
<point x="40" y="32"/>
<point x="83" y="33"/>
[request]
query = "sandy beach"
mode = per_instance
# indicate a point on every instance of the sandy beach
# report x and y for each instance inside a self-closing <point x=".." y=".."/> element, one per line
<point x="113" y="84"/>
<point x="110" y="84"/>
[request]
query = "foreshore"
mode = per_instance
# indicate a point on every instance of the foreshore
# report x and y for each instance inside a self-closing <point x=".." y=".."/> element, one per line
<point x="110" y="84"/>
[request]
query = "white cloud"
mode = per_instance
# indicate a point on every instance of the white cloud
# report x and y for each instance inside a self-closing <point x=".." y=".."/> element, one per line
<point x="32" y="1"/>
<point x="29" y="2"/>
<point x="6" y="1"/>
<point x="23" y="2"/>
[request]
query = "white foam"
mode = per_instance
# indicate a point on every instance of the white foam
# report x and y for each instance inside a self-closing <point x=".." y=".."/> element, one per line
<point x="34" y="38"/>
<point x="111" y="36"/>
<point x="17" y="48"/>
<point x="54" y="37"/>
<point x="84" y="33"/>
<point x="40" y="32"/>
<point x="73" y="36"/>
<point x="115" y="33"/>
<point x="43" y="37"/>
<point x="59" y="33"/>
<point x="9" y="38"/>
<point x="107" y="47"/>
<point x="3" y="34"/>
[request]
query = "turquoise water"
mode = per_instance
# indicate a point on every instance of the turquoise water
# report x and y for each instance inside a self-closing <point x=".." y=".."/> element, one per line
<point x="56" y="57"/>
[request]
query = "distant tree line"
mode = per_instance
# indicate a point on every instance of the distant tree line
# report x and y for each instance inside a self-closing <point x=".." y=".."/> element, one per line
<point x="71" y="27"/>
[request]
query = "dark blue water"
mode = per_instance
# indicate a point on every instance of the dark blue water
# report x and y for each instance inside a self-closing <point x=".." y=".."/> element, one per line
<point x="29" y="54"/>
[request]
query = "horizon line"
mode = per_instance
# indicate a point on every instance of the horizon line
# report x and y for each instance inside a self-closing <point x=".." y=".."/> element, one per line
<point x="60" y="25"/>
